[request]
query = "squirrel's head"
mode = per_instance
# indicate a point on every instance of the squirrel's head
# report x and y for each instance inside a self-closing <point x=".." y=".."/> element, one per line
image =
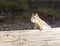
<point x="35" y="18"/>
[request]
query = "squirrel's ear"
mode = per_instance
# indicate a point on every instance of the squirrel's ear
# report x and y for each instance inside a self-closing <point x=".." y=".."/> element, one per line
<point x="32" y="14"/>
<point x="36" y="14"/>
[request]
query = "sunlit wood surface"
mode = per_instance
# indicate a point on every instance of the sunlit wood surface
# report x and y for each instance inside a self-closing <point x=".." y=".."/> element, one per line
<point x="50" y="37"/>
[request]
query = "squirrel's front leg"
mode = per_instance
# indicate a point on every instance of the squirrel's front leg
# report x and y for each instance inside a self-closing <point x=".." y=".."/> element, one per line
<point x="35" y="26"/>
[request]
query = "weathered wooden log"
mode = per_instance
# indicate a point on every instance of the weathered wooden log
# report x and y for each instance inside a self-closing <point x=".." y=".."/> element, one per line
<point x="32" y="37"/>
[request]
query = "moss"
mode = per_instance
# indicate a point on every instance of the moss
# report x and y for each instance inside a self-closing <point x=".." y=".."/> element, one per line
<point x="42" y="10"/>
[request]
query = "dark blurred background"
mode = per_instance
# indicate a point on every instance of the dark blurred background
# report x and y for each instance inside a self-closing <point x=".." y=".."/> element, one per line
<point x="16" y="14"/>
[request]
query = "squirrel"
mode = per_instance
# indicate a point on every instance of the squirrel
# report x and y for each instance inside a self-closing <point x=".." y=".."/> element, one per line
<point x="39" y="23"/>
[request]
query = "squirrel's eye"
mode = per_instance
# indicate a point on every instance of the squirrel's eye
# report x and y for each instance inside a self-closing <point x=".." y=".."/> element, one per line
<point x="34" y="17"/>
